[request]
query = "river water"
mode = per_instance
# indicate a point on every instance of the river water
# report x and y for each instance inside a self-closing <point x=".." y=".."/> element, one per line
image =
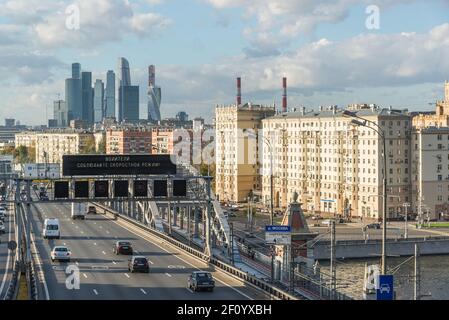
<point x="434" y="276"/>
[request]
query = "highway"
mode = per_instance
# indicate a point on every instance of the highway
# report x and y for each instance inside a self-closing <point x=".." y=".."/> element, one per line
<point x="7" y="256"/>
<point x="104" y="275"/>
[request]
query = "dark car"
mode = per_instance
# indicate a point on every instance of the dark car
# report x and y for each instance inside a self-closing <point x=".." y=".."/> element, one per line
<point x="43" y="197"/>
<point x="373" y="226"/>
<point x="92" y="210"/>
<point x="201" y="280"/>
<point x="138" y="264"/>
<point x="123" y="247"/>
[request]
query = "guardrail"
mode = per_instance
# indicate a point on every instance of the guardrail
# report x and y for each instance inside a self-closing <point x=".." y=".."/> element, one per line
<point x="13" y="288"/>
<point x="265" y="286"/>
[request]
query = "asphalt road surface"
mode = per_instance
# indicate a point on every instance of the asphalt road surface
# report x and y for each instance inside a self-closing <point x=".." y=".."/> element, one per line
<point x="7" y="256"/>
<point x="104" y="275"/>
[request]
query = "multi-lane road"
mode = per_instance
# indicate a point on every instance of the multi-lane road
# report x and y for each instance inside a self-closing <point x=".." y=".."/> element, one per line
<point x="104" y="275"/>
<point x="7" y="256"/>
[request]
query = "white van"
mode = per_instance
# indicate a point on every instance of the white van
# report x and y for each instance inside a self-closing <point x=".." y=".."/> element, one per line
<point x="51" y="229"/>
<point x="79" y="210"/>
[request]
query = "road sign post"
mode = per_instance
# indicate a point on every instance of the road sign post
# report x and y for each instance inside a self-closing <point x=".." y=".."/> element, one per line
<point x="385" y="290"/>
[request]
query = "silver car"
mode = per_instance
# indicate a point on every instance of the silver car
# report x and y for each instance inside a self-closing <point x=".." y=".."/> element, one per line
<point x="60" y="253"/>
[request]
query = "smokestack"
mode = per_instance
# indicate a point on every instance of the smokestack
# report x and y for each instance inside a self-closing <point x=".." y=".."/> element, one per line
<point x="284" y="95"/>
<point x="239" y="91"/>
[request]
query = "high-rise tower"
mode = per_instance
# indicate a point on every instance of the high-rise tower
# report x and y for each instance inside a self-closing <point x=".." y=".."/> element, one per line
<point x="73" y="94"/>
<point x="154" y="96"/>
<point x="109" y="103"/>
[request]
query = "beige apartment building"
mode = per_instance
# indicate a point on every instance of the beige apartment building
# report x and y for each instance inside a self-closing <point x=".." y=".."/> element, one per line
<point x="51" y="146"/>
<point x="430" y="171"/>
<point x="26" y="139"/>
<point x="236" y="153"/>
<point x="334" y="166"/>
<point x="162" y="140"/>
<point x="439" y="118"/>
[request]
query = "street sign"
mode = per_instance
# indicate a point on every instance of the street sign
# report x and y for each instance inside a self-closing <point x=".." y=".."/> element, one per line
<point x="278" y="229"/>
<point x="278" y="235"/>
<point x="385" y="289"/>
<point x="95" y="165"/>
<point x="327" y="200"/>
<point x="12" y="245"/>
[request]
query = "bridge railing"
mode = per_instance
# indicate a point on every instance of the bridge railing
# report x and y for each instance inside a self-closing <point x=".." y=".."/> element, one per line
<point x="242" y="275"/>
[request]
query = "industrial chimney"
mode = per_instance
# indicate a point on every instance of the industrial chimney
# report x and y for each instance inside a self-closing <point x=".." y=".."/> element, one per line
<point x="284" y="95"/>
<point x="239" y="91"/>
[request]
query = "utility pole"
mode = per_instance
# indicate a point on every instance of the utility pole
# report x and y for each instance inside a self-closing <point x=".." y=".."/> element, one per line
<point x="417" y="280"/>
<point x="231" y="225"/>
<point x="333" y="266"/>
<point x="406" y="205"/>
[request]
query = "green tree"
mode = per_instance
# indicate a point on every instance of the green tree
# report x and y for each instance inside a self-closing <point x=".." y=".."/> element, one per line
<point x="102" y="146"/>
<point x="89" y="147"/>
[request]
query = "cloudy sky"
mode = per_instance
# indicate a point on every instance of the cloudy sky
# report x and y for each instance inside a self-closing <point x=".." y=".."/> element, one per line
<point x="332" y="51"/>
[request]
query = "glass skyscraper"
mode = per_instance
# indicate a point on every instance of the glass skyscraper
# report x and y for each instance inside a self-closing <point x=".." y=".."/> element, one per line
<point x="98" y="101"/>
<point x="154" y="96"/>
<point x="129" y="103"/>
<point x="73" y="94"/>
<point x="109" y="104"/>
<point x="88" y="99"/>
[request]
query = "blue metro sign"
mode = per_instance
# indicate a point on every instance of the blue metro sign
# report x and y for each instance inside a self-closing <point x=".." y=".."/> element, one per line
<point x="285" y="229"/>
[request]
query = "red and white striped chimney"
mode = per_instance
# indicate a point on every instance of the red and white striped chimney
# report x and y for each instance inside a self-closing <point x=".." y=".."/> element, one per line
<point x="239" y="91"/>
<point x="284" y="95"/>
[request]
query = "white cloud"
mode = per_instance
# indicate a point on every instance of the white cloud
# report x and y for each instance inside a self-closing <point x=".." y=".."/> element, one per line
<point x="293" y="17"/>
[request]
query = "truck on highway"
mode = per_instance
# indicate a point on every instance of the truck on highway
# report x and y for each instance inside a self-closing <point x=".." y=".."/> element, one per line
<point x="79" y="210"/>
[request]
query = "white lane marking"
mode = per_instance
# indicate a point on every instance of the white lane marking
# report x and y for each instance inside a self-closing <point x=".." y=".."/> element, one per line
<point x="107" y="231"/>
<point x="96" y="292"/>
<point x="143" y="291"/>
<point x="168" y="274"/>
<point x="190" y="290"/>
<point x="76" y="262"/>
<point x="101" y="227"/>
<point x="145" y="237"/>
<point x="73" y="222"/>
<point x="114" y="262"/>
<point x="103" y="252"/>
<point x="136" y="251"/>
<point x="82" y="232"/>
<point x="85" y="275"/>
<point x="64" y="243"/>
<point x="151" y="262"/>
<point x="127" y="275"/>
<point x="115" y="237"/>
<point x="77" y="227"/>
<point x="95" y="243"/>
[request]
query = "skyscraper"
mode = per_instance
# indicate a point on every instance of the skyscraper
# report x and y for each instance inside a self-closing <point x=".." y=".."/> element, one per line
<point x="60" y="113"/>
<point x="154" y="96"/>
<point x="109" y="104"/>
<point x="124" y="76"/>
<point x="129" y="99"/>
<point x="73" y="94"/>
<point x="88" y="101"/>
<point x="98" y="101"/>
<point x="128" y="95"/>
<point x="76" y="71"/>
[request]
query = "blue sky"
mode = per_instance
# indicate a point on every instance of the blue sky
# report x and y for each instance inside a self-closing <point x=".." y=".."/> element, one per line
<point x="200" y="46"/>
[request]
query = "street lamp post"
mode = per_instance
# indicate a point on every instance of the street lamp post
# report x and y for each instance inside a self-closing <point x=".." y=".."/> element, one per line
<point x="406" y="205"/>
<point x="379" y="131"/>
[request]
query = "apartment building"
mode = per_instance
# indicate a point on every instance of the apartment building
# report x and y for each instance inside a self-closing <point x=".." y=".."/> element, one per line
<point x="26" y="139"/>
<point x="128" y="141"/>
<point x="439" y="118"/>
<point x="337" y="167"/>
<point x="162" y="140"/>
<point x="430" y="171"/>
<point x="236" y="152"/>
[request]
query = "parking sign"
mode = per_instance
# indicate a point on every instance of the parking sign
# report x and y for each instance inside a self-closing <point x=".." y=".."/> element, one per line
<point x="385" y="290"/>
